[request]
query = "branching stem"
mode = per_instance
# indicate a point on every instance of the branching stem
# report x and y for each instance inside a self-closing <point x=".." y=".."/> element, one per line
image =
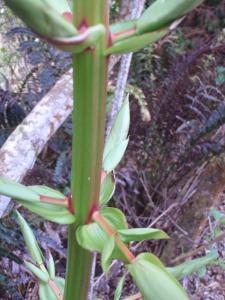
<point x="97" y="217"/>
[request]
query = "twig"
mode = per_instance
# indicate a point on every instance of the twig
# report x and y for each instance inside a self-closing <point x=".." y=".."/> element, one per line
<point x="199" y="249"/>
<point x="155" y="221"/>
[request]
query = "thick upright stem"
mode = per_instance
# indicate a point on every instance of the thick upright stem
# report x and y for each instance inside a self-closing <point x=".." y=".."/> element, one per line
<point x="90" y="77"/>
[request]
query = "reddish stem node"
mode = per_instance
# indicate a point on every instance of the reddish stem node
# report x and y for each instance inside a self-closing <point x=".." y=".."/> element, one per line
<point x="70" y="204"/>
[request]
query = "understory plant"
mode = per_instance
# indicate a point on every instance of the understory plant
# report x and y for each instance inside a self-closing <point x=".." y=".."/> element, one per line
<point x="84" y="31"/>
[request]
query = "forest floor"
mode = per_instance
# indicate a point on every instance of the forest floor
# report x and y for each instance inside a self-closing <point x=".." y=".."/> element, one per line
<point x="139" y="176"/>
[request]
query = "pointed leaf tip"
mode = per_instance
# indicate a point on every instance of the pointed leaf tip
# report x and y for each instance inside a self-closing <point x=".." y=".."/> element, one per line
<point x="107" y="254"/>
<point x="30" y="240"/>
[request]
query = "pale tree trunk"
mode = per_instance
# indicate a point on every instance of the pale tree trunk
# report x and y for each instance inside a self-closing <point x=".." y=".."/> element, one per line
<point x="21" y="149"/>
<point x="129" y="10"/>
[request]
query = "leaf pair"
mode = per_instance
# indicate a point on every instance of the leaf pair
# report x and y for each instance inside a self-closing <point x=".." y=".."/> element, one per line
<point x="40" y="200"/>
<point x="53" y="21"/>
<point x="50" y="286"/>
<point x="93" y="237"/>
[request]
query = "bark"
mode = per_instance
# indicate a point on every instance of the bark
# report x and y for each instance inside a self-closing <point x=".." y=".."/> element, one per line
<point x="192" y="218"/>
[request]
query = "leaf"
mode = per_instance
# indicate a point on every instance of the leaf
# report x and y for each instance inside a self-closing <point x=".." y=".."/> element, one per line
<point x="107" y="254"/>
<point x="45" y="291"/>
<point x="194" y="265"/>
<point x="114" y="156"/>
<point x="217" y="215"/>
<point x="16" y="190"/>
<point x="60" y="6"/>
<point x="46" y="191"/>
<point x="51" y="266"/>
<point x="163" y="12"/>
<point x="29" y="197"/>
<point x="120" y="128"/>
<point x="52" y="212"/>
<point x="43" y="18"/>
<point x="119" y="27"/>
<point x="135" y="43"/>
<point x="153" y="280"/>
<point x="93" y="238"/>
<point x="141" y="234"/>
<point x="41" y="275"/>
<point x="108" y="187"/>
<point x="30" y="241"/>
<point x="119" y="288"/>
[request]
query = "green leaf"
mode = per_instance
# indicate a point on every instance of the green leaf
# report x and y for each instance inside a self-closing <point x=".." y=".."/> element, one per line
<point x="194" y="265"/>
<point x="108" y="187"/>
<point x="153" y="280"/>
<point x="17" y="191"/>
<point x="30" y="241"/>
<point x="45" y="291"/>
<point x="107" y="254"/>
<point x="217" y="215"/>
<point x="51" y="266"/>
<point x="119" y="27"/>
<point x="41" y="275"/>
<point x="222" y="221"/>
<point x="163" y="12"/>
<point x="60" y="6"/>
<point x="120" y="128"/>
<point x="46" y="191"/>
<point x="135" y="43"/>
<point x="52" y="212"/>
<point x="43" y="18"/>
<point x="29" y="197"/>
<point x="141" y="234"/>
<point x="119" y="288"/>
<point x="114" y="156"/>
<point x="93" y="238"/>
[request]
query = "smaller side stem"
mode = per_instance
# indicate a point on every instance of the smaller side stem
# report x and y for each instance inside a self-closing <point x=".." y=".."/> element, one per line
<point x="97" y="217"/>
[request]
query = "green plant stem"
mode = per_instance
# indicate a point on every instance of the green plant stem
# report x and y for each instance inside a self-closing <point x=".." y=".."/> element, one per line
<point x="90" y="92"/>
